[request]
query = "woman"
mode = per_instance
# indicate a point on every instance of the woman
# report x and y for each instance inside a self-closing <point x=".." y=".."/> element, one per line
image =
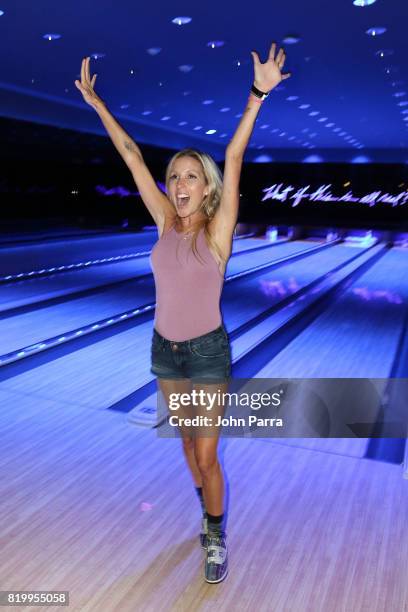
<point x="195" y="221"/>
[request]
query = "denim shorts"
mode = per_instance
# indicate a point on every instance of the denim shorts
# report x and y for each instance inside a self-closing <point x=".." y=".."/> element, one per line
<point x="205" y="357"/>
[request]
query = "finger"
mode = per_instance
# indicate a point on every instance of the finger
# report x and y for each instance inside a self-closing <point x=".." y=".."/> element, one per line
<point x="88" y="72"/>
<point x="93" y="80"/>
<point x="279" y="56"/>
<point x="78" y="85"/>
<point x="282" y="62"/>
<point x="255" y="57"/>
<point x="83" y="71"/>
<point x="286" y="75"/>
<point x="272" y="51"/>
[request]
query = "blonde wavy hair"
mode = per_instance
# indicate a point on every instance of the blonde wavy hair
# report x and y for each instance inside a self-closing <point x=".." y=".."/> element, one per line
<point x="211" y="202"/>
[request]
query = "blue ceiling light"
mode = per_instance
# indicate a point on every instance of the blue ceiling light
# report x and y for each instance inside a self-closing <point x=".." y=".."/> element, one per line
<point x="404" y="103"/>
<point x="211" y="131"/>
<point x="97" y="56"/>
<point x="377" y="31"/>
<point x="215" y="44"/>
<point x="384" y="53"/>
<point x="225" y="109"/>
<point x="262" y="159"/>
<point x="264" y="126"/>
<point x="153" y="50"/>
<point x="223" y="135"/>
<point x="185" y="68"/>
<point x="363" y="2"/>
<point x="186" y="93"/>
<point x="399" y="94"/>
<point x="182" y="123"/>
<point x="330" y="124"/>
<point x="292" y="98"/>
<point x="238" y="115"/>
<point x="291" y="39"/>
<point x="304" y="106"/>
<point x="361" y="159"/>
<point x="181" y="20"/>
<point x="165" y="118"/>
<point x="314" y="113"/>
<point x="404" y="111"/>
<point x="207" y="102"/>
<point x="260" y="147"/>
<point x="147" y="112"/>
<point x="52" y="36"/>
<point x="322" y="119"/>
<point x="313" y="159"/>
<point x="124" y="106"/>
<point x="198" y="127"/>
<point x="1" y="13"/>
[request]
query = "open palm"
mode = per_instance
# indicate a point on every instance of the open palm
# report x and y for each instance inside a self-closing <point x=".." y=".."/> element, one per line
<point x="86" y="84"/>
<point x="269" y="74"/>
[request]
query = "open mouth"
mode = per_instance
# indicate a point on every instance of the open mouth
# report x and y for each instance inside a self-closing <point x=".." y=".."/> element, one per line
<point x="182" y="200"/>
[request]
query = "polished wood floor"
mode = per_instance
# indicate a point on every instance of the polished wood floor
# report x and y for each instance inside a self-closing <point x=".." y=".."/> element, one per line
<point x="107" y="510"/>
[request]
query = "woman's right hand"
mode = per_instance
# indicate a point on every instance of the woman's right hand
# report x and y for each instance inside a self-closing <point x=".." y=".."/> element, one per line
<point x="86" y="85"/>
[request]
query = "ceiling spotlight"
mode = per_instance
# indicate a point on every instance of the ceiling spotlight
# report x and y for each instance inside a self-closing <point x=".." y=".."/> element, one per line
<point x="291" y="39"/>
<point x="52" y="36"/>
<point x="377" y="31"/>
<point x="185" y="68"/>
<point x="404" y="103"/>
<point x="198" y="127"/>
<point x="384" y="52"/>
<point x="97" y="56"/>
<point x="211" y="131"/>
<point x="182" y="122"/>
<point x="304" y="106"/>
<point x="1" y="13"/>
<point x="399" y="94"/>
<point x="165" y="118"/>
<point x="215" y="44"/>
<point x="225" y="109"/>
<point x="292" y="98"/>
<point x="147" y="112"/>
<point x="124" y="106"/>
<point x="363" y="2"/>
<point x="322" y="119"/>
<point x="181" y="20"/>
<point x="207" y="102"/>
<point x="153" y="50"/>
<point x="314" y="113"/>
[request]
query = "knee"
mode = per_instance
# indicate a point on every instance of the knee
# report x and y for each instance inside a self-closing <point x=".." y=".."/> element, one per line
<point x="188" y="444"/>
<point x="206" y="463"/>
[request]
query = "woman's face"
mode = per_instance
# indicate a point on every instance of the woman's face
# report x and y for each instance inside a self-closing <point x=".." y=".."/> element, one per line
<point x="187" y="186"/>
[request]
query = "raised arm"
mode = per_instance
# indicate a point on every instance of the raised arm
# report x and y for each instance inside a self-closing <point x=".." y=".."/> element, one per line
<point x="266" y="77"/>
<point x="155" y="200"/>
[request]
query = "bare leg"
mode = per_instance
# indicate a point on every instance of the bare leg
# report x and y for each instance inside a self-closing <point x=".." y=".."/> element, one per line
<point x="206" y="444"/>
<point x="168" y="386"/>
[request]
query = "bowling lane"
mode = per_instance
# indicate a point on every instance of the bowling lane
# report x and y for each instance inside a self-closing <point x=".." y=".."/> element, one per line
<point x="31" y="291"/>
<point x="27" y="257"/>
<point x="32" y="327"/>
<point x="358" y="335"/>
<point x="103" y="373"/>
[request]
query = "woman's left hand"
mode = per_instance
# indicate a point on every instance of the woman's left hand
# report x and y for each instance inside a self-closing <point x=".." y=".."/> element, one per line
<point x="269" y="74"/>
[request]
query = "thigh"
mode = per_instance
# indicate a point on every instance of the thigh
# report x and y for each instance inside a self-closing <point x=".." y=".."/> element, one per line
<point x="169" y="393"/>
<point x="210" y="406"/>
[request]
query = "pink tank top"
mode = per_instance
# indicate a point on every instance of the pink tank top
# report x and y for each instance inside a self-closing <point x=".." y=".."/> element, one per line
<point x="188" y="289"/>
